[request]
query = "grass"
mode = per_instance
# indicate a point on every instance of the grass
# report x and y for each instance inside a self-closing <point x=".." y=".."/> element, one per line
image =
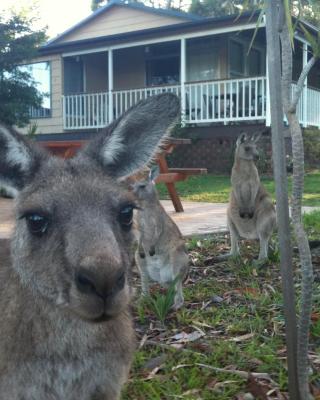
<point x="216" y="188"/>
<point x="312" y="224"/>
<point x="232" y="319"/>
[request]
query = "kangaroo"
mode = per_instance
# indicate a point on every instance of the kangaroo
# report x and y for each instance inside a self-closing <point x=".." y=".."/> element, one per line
<point x="66" y="331"/>
<point x="161" y="255"/>
<point x="251" y="213"/>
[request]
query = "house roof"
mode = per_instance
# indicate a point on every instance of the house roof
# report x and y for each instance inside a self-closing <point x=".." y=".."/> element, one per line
<point x="188" y="26"/>
<point x="137" y="6"/>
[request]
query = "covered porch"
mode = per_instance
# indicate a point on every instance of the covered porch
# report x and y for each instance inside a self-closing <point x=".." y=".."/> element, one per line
<point x="216" y="78"/>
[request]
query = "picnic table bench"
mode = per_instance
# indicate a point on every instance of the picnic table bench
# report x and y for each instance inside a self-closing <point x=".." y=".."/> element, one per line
<point x="168" y="176"/>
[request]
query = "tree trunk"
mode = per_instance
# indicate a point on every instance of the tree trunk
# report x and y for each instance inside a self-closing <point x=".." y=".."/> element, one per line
<point x="280" y="175"/>
<point x="290" y="105"/>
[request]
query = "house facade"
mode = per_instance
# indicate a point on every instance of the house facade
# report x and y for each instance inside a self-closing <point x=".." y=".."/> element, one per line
<point x="123" y="53"/>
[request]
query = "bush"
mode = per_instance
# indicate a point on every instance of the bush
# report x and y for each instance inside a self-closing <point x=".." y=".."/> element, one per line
<point x="312" y="147"/>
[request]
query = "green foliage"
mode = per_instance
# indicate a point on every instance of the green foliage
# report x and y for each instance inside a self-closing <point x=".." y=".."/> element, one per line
<point x="311" y="140"/>
<point x="95" y="4"/>
<point x="18" y="44"/>
<point x="160" y="303"/>
<point x="217" y="8"/>
<point x="239" y="309"/>
<point x="311" y="223"/>
<point x="32" y="130"/>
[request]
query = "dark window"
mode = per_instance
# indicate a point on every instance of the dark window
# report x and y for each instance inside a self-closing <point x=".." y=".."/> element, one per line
<point x="162" y="64"/>
<point x="236" y="54"/>
<point x="254" y="63"/>
<point x="164" y="71"/>
<point x="73" y="75"/>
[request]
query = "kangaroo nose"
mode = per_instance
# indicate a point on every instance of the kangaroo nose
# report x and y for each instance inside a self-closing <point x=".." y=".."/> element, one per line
<point x="91" y="283"/>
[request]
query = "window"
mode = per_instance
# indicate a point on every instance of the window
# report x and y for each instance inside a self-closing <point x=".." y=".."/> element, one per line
<point x="244" y="62"/>
<point x="236" y="59"/>
<point x="202" y="59"/>
<point x="73" y="75"/>
<point x="162" y="64"/>
<point x="254" y="62"/>
<point x="163" y="71"/>
<point x="41" y="74"/>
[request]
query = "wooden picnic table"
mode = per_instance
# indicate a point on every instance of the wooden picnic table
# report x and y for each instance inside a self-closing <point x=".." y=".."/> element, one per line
<point x="168" y="176"/>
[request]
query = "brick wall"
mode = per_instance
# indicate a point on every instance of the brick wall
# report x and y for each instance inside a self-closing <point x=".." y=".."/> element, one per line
<point x="215" y="150"/>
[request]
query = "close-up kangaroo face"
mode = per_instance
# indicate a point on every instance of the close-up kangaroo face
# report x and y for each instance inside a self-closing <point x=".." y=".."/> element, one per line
<point x="73" y="242"/>
<point x="83" y="225"/>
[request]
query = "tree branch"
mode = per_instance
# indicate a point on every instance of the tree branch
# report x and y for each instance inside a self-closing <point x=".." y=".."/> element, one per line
<point x="300" y="83"/>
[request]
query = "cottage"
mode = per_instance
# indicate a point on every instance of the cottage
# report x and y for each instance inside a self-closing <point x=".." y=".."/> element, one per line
<point x="122" y="53"/>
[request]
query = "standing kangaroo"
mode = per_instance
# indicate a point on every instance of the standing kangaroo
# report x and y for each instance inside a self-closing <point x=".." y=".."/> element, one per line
<point x="161" y="255"/>
<point x="66" y="331"/>
<point x="251" y="213"/>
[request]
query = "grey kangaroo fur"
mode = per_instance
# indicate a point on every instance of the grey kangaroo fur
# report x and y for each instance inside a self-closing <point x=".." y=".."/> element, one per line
<point x="251" y="213"/>
<point x="161" y="255"/>
<point x="65" y="327"/>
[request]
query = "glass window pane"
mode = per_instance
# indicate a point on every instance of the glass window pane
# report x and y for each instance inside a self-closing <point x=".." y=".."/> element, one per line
<point x="254" y="63"/>
<point x="236" y="56"/>
<point x="202" y="59"/>
<point x="41" y="74"/>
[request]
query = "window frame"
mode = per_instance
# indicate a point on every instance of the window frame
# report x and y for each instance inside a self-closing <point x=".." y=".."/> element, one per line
<point x="50" y="89"/>
<point x="245" y="46"/>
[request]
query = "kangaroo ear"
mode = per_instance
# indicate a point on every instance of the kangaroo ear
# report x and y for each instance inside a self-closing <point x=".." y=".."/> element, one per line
<point x="242" y="138"/>
<point x="19" y="160"/>
<point x="131" y="141"/>
<point x="255" y="138"/>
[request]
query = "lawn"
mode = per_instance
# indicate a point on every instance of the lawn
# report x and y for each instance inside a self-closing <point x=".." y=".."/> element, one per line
<point x="232" y="320"/>
<point x="216" y="188"/>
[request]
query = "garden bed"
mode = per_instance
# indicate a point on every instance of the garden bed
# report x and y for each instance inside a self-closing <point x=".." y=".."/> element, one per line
<point x="227" y="342"/>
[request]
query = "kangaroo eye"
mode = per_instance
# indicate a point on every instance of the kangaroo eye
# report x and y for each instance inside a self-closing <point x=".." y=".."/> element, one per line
<point x="37" y="224"/>
<point x="125" y="217"/>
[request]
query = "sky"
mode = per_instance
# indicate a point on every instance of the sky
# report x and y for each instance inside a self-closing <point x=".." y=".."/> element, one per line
<point x="57" y="15"/>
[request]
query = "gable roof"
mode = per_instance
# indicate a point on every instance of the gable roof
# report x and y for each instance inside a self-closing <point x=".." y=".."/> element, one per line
<point x="184" y="16"/>
<point x="150" y="33"/>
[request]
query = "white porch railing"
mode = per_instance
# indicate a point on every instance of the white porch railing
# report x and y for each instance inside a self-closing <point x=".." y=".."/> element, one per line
<point x="205" y="102"/>
<point x="225" y="101"/>
<point x="124" y="99"/>
<point x="85" y="111"/>
<point x="308" y="108"/>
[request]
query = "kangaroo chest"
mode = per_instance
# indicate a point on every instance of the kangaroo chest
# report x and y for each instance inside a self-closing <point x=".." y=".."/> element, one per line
<point x="57" y="379"/>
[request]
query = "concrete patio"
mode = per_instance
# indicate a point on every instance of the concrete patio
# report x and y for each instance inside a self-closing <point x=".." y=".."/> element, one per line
<point x="197" y="219"/>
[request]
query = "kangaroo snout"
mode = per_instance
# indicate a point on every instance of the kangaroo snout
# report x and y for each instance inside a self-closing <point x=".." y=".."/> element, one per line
<point x="92" y="283"/>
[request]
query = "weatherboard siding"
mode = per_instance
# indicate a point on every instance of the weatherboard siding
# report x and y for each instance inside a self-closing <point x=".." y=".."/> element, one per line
<point x="119" y="20"/>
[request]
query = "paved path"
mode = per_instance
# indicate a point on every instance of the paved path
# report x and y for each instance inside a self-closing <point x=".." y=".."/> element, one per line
<point x="197" y="219"/>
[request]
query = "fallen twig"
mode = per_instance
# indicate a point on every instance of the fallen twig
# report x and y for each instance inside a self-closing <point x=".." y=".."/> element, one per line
<point x="242" y="374"/>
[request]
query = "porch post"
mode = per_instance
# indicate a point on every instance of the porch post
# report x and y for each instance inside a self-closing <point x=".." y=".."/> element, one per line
<point x="268" y="114"/>
<point x="110" y="85"/>
<point x="183" y="79"/>
<point x="305" y="88"/>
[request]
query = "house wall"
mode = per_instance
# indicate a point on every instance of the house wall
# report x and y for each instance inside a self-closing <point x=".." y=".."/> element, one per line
<point x="54" y="124"/>
<point x="119" y="20"/>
